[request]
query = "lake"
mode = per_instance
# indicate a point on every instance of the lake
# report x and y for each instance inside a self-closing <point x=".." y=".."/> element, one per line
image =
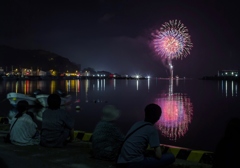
<point x="195" y="112"/>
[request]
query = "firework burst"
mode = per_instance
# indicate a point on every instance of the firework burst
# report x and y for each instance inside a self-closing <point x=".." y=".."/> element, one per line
<point x="172" y="40"/>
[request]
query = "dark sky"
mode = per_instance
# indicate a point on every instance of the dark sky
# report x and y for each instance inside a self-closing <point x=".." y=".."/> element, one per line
<point x="114" y="35"/>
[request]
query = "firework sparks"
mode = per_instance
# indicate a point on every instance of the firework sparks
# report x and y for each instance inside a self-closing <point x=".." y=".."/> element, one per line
<point x="172" y="40"/>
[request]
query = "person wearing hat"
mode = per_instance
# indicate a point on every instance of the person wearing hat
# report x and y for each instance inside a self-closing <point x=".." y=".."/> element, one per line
<point x="107" y="137"/>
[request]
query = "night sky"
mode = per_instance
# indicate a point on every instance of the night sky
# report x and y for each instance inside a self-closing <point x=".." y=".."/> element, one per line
<point x="114" y="35"/>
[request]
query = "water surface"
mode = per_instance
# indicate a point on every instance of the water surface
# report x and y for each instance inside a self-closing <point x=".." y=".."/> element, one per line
<point x="195" y="112"/>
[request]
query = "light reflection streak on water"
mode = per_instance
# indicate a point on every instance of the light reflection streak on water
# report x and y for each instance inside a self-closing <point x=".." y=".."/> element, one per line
<point x="86" y="89"/>
<point x="148" y="84"/>
<point x="170" y="91"/>
<point x="222" y="86"/>
<point x="16" y="87"/>
<point x="233" y="86"/>
<point x="53" y="86"/>
<point x="27" y="87"/>
<point x="97" y="84"/>
<point x="68" y="86"/>
<point x="137" y="83"/>
<point x="236" y="88"/>
<point x="226" y="87"/>
<point x="77" y="90"/>
<point x="72" y="85"/>
<point x="24" y="87"/>
<point x="7" y="85"/>
<point x="177" y="82"/>
<point x="114" y="84"/>
<point x="104" y="84"/>
<point x="100" y="84"/>
<point x="40" y="85"/>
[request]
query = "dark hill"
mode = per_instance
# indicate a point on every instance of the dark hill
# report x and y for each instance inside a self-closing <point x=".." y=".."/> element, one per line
<point x="35" y="59"/>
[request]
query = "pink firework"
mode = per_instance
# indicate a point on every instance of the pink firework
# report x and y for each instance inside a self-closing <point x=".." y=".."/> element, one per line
<point x="172" y="40"/>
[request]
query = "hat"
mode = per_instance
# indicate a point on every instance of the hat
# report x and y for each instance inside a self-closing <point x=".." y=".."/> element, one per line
<point x="110" y="113"/>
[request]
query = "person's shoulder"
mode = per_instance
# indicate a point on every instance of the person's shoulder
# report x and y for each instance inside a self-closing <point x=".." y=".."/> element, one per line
<point x="64" y="113"/>
<point x="56" y="111"/>
<point x="106" y="124"/>
<point x="100" y="123"/>
<point x="61" y="110"/>
<point x="11" y="121"/>
<point x="146" y="126"/>
<point x="25" y="115"/>
<point x="140" y="123"/>
<point x="47" y="110"/>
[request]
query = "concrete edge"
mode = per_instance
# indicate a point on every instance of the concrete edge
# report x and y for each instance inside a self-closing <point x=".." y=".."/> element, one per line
<point x="198" y="156"/>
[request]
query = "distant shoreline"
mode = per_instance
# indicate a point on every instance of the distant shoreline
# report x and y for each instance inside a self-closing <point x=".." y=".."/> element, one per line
<point x="232" y="78"/>
<point x="64" y="78"/>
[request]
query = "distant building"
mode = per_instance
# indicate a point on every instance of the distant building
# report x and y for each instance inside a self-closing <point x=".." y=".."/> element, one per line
<point x="86" y="73"/>
<point x="102" y="74"/>
<point x="228" y="73"/>
<point x="27" y="72"/>
<point x="41" y="73"/>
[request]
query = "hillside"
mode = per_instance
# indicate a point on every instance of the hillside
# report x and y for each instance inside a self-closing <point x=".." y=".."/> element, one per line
<point x="35" y="59"/>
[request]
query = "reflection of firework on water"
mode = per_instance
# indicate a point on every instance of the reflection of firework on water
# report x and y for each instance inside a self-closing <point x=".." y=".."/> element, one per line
<point x="176" y="115"/>
<point x="172" y="40"/>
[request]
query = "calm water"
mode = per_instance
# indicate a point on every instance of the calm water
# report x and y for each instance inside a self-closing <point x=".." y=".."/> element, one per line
<point x="195" y="112"/>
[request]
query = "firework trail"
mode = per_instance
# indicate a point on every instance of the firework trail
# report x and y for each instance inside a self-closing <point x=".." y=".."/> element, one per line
<point x="172" y="41"/>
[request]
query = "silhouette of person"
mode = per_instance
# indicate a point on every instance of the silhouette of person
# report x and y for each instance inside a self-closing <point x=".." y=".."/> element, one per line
<point x="134" y="147"/>
<point x="107" y="137"/>
<point x="227" y="150"/>
<point x="23" y="128"/>
<point x="57" y="124"/>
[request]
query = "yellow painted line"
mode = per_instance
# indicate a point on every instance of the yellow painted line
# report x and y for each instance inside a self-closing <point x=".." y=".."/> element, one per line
<point x="189" y="155"/>
<point x="195" y="155"/>
<point x="149" y="148"/>
<point x="174" y="151"/>
<point x="82" y="135"/>
<point x="77" y="132"/>
<point x="87" y="137"/>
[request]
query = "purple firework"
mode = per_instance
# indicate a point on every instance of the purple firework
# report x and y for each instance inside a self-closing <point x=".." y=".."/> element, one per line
<point x="172" y="40"/>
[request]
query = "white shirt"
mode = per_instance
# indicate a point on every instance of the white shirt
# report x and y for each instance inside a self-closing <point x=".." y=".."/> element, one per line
<point x="23" y="131"/>
<point x="135" y="146"/>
